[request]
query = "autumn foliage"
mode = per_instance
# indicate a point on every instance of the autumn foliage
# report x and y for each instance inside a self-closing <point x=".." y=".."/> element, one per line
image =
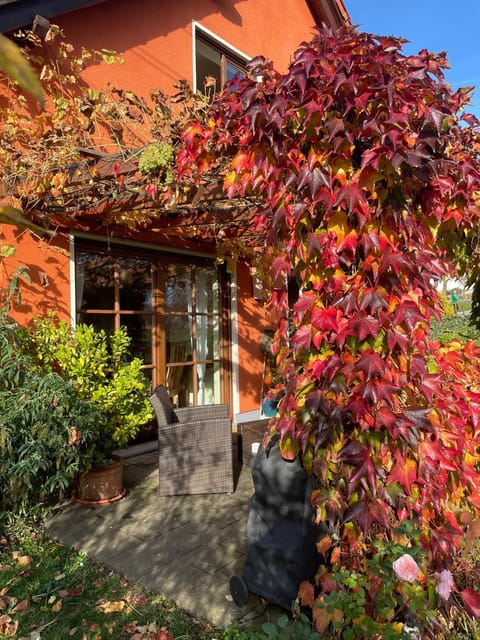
<point x="366" y="171"/>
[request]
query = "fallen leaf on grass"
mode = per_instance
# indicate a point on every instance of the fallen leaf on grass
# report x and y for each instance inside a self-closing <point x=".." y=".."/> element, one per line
<point x="137" y="632"/>
<point x="57" y="606"/>
<point x="8" y="627"/>
<point x="22" y="561"/>
<point x="63" y="593"/>
<point x="111" y="606"/>
<point x="161" y="634"/>
<point x="23" y="605"/>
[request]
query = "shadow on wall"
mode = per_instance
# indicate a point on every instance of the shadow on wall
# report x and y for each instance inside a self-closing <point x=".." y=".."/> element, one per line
<point x="47" y="263"/>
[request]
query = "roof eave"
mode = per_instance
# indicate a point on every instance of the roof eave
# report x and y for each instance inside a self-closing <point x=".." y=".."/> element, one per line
<point x="330" y="12"/>
<point x="18" y="14"/>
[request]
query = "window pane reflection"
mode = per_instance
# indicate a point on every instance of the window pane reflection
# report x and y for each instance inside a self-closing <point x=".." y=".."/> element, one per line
<point x="208" y="337"/>
<point x="179" y="338"/>
<point x="178" y="290"/>
<point x="180" y="385"/>
<point x="207" y="298"/>
<point x="232" y="70"/>
<point x="208" y="380"/>
<point x="135" y="283"/>
<point x="95" y="281"/>
<point x="139" y="328"/>
<point x="98" y="320"/>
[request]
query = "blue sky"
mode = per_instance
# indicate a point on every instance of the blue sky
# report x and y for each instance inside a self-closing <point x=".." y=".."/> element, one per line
<point x="437" y="25"/>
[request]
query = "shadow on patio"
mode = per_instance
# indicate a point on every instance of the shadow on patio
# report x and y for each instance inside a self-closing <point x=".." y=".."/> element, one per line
<point x="183" y="547"/>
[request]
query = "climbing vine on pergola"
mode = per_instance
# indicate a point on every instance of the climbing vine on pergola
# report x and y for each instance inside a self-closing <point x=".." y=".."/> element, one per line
<point x="105" y="157"/>
<point x="360" y="165"/>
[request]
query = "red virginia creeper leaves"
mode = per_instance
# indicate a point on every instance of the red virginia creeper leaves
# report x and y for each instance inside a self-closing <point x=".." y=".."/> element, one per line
<point x="404" y="472"/>
<point x="365" y="173"/>
<point x="472" y="602"/>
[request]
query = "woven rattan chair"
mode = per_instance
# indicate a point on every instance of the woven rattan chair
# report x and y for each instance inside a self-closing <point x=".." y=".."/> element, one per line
<point x="194" y="446"/>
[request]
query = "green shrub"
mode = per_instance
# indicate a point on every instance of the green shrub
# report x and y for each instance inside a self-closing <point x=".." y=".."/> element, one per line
<point x="45" y="430"/>
<point x="98" y="366"/>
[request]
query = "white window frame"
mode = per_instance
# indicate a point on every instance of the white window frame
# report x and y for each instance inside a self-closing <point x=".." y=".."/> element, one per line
<point x="198" y="29"/>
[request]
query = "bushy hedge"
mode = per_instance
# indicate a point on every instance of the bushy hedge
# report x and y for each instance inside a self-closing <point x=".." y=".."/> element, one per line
<point x="45" y="430"/>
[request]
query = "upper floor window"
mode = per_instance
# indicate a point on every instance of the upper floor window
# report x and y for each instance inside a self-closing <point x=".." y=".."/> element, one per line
<point x="215" y="63"/>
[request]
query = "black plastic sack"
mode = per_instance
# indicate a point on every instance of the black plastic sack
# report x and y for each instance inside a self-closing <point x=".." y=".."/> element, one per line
<point x="281" y="532"/>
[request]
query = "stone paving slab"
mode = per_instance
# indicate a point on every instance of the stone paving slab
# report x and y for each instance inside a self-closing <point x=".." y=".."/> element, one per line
<point x="183" y="547"/>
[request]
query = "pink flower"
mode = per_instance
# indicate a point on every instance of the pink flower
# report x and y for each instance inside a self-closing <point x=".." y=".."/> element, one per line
<point x="152" y="190"/>
<point x="445" y="584"/>
<point x="406" y="568"/>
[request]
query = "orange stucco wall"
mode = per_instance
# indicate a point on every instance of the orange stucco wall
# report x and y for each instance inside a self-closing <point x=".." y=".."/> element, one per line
<point x="47" y="262"/>
<point x="253" y="320"/>
<point x="155" y="39"/>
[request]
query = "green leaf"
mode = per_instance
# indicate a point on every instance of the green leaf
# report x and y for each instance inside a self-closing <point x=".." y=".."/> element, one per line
<point x="282" y="621"/>
<point x="270" y="629"/>
<point x="7" y="251"/>
<point x="17" y="67"/>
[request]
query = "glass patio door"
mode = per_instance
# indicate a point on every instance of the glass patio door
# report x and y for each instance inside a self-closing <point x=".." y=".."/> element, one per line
<point x="193" y="334"/>
<point x="172" y="312"/>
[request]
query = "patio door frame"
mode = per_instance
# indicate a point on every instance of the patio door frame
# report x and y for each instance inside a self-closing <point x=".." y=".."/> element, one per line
<point x="159" y="260"/>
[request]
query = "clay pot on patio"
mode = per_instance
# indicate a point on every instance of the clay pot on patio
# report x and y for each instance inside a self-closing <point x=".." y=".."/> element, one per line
<point x="101" y="485"/>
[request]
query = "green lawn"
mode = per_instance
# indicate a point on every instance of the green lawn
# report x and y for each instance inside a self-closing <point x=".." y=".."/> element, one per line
<point x="452" y="327"/>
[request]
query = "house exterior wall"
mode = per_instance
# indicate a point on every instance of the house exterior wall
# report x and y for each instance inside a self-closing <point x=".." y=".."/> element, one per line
<point x="253" y="320"/>
<point x="48" y="285"/>
<point x="157" y="46"/>
<point x="157" y="42"/>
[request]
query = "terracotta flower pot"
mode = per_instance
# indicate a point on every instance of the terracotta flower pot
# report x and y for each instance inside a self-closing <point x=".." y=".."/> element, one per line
<point x="102" y="484"/>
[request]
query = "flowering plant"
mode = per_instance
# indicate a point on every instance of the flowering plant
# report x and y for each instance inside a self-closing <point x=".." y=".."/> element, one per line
<point x="406" y="568"/>
<point x="445" y="584"/>
<point x="391" y="584"/>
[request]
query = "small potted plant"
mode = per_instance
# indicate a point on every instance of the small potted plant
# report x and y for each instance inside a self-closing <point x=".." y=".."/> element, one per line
<point x="98" y="364"/>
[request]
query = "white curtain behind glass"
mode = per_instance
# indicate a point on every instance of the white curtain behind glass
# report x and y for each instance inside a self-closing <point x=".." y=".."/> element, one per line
<point x="202" y="295"/>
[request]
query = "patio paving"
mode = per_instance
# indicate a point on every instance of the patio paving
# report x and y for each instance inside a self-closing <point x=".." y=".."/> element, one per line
<point x="183" y="547"/>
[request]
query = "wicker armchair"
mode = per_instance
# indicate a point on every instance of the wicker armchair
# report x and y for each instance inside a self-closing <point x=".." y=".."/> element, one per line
<point x="194" y="445"/>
